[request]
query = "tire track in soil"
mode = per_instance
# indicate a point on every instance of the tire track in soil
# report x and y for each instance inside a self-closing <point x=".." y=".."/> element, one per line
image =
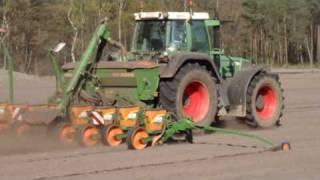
<point x="84" y="154"/>
<point x="300" y="108"/>
<point x="169" y="163"/>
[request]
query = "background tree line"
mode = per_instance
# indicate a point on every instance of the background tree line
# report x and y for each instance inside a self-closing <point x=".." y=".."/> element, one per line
<point x="273" y="32"/>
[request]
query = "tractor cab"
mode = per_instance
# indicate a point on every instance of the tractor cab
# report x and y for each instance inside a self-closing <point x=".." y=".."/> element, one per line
<point x="162" y="33"/>
<point x="159" y="34"/>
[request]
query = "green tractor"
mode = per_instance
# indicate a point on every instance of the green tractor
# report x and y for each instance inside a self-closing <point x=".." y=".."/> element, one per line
<point x="175" y="63"/>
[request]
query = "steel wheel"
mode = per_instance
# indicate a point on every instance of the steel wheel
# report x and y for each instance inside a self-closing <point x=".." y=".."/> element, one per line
<point x="135" y="138"/>
<point x="66" y="133"/>
<point x="88" y="136"/>
<point x="109" y="135"/>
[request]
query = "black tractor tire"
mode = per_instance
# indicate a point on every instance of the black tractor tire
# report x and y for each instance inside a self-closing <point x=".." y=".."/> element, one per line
<point x="265" y="101"/>
<point x="192" y="92"/>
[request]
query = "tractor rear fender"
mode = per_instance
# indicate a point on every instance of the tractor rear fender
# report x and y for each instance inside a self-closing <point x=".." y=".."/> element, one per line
<point x="238" y="87"/>
<point x="178" y="59"/>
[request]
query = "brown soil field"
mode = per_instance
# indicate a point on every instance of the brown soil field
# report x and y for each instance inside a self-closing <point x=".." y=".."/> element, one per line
<point x="214" y="156"/>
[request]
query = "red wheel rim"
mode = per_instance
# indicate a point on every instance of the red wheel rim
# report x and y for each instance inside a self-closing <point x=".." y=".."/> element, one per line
<point x="66" y="134"/>
<point x="196" y="101"/>
<point x="111" y="136"/>
<point x="269" y="100"/>
<point x="89" y="136"/>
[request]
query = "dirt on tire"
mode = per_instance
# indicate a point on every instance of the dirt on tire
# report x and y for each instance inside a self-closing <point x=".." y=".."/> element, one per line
<point x="176" y="97"/>
<point x="265" y="101"/>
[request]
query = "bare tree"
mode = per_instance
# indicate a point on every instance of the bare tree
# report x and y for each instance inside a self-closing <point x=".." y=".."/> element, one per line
<point x="122" y="4"/>
<point x="76" y="18"/>
<point x="75" y="35"/>
<point x="4" y="30"/>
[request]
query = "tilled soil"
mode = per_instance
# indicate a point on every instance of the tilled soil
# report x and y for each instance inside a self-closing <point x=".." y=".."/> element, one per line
<point x="211" y="157"/>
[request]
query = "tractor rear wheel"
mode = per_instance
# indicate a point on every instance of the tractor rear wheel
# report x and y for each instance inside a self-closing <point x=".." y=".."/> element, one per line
<point x="265" y="101"/>
<point x="191" y="93"/>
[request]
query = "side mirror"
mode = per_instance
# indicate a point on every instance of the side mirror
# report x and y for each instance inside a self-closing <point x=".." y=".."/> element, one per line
<point x="59" y="47"/>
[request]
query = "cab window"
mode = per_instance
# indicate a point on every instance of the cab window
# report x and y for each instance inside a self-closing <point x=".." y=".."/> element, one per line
<point x="178" y="36"/>
<point x="200" y="41"/>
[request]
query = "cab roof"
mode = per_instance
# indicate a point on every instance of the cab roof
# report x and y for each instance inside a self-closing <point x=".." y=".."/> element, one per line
<point x="171" y="15"/>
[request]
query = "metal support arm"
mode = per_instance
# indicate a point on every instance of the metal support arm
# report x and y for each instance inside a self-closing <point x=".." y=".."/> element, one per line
<point x="102" y="34"/>
<point x="58" y="73"/>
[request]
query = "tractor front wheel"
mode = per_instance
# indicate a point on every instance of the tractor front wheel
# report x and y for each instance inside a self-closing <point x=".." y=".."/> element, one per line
<point x="265" y="101"/>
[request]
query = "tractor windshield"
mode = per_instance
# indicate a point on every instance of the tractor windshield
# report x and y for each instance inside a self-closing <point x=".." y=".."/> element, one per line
<point x="158" y="36"/>
<point x="150" y="36"/>
<point x="178" y="34"/>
